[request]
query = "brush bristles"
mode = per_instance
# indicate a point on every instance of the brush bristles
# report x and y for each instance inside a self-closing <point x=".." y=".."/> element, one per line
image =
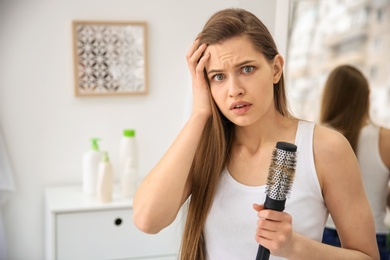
<point x="281" y="174"/>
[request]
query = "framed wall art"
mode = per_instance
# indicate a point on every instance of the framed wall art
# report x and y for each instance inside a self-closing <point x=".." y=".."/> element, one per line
<point x="110" y="58"/>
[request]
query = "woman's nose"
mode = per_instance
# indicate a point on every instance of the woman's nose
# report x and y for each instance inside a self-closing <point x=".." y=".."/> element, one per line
<point x="235" y="88"/>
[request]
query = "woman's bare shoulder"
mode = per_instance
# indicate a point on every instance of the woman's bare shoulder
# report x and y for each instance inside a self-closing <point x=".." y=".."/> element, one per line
<point x="332" y="152"/>
<point x="384" y="145"/>
<point x="385" y="133"/>
<point x="328" y="141"/>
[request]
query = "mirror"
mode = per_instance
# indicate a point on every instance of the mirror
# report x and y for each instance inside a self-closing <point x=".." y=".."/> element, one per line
<point x="324" y="34"/>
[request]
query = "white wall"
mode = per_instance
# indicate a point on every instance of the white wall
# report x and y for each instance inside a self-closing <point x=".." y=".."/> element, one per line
<point x="46" y="128"/>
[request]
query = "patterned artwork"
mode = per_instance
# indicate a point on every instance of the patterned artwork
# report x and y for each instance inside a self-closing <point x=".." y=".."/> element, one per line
<point x="110" y="58"/>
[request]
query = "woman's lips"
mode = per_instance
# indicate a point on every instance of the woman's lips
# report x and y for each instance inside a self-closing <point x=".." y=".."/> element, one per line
<point x="240" y="107"/>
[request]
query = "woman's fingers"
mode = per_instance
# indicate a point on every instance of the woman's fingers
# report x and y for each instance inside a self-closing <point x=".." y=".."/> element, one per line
<point x="258" y="207"/>
<point x="271" y="225"/>
<point x="274" y="215"/>
<point x="202" y="62"/>
<point x="274" y="230"/>
<point x="193" y="48"/>
<point x="196" y="64"/>
<point x="194" y="55"/>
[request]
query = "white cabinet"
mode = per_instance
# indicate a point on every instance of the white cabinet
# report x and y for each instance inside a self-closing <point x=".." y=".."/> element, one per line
<point x="79" y="227"/>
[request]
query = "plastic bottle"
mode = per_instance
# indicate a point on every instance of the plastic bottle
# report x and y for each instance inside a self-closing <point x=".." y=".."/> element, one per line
<point x="128" y="150"/>
<point x="105" y="179"/>
<point x="91" y="160"/>
<point x="129" y="180"/>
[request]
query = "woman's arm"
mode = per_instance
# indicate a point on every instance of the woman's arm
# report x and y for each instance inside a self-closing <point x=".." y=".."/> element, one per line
<point x="384" y="149"/>
<point x="164" y="190"/>
<point x="384" y="146"/>
<point x="339" y="174"/>
<point x="166" y="187"/>
<point x="388" y="197"/>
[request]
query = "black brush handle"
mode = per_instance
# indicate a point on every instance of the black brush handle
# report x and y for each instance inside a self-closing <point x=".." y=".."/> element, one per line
<point x="263" y="253"/>
<point x="278" y="205"/>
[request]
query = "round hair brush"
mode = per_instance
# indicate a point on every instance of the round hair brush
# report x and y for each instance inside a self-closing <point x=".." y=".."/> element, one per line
<point x="280" y="179"/>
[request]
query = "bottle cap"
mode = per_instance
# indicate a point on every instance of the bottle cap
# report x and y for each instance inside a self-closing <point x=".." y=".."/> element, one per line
<point x="129" y="132"/>
<point x="94" y="144"/>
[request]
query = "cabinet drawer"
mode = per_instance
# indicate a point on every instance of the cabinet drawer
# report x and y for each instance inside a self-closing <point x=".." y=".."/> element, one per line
<point x="111" y="234"/>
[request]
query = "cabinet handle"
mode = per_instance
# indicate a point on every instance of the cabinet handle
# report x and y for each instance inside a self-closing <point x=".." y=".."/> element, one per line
<point x="118" y="222"/>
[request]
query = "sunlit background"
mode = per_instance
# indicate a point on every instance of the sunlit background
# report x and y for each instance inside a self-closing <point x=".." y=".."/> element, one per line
<point x="325" y="34"/>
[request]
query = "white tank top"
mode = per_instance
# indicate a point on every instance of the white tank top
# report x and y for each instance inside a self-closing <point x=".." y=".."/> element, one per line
<point x="375" y="176"/>
<point x="231" y="223"/>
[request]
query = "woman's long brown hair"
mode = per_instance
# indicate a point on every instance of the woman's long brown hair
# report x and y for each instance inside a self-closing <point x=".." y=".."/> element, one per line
<point x="214" y="147"/>
<point x="345" y="102"/>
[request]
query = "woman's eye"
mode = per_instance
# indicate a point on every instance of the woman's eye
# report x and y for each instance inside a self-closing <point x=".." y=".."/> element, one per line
<point x="218" y="77"/>
<point x="247" y="69"/>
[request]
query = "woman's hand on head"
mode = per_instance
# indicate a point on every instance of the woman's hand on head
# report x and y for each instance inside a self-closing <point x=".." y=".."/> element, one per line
<point x="274" y="230"/>
<point x="196" y="64"/>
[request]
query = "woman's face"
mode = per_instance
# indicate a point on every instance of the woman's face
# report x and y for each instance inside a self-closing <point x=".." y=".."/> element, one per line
<point x="242" y="80"/>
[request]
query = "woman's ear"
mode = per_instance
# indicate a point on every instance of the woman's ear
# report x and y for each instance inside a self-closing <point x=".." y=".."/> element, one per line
<point x="277" y="65"/>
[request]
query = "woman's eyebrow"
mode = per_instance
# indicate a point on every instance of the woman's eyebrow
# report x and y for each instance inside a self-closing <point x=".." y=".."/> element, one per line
<point x="238" y="65"/>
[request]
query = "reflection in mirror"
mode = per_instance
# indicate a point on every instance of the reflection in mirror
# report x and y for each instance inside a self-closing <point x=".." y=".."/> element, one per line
<point x="325" y="34"/>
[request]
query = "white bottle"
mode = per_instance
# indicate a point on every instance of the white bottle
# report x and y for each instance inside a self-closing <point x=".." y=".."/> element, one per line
<point x="105" y="180"/>
<point x="128" y="149"/>
<point x="91" y="160"/>
<point x="129" y="180"/>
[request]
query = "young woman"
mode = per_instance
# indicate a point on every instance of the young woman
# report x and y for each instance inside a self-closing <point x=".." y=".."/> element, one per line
<point x="345" y="107"/>
<point x="220" y="160"/>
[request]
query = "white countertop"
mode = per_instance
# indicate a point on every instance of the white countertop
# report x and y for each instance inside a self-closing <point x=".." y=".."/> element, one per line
<point x="71" y="198"/>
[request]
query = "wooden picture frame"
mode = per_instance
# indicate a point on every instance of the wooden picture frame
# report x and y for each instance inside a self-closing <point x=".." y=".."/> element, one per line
<point x="110" y="58"/>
